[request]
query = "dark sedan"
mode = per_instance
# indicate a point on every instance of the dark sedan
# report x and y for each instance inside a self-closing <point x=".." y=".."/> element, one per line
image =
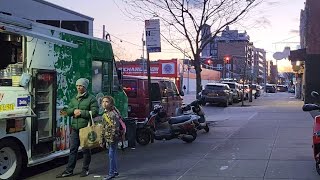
<point x="217" y="93"/>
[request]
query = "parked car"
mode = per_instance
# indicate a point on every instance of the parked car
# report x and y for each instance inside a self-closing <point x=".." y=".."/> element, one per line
<point x="282" y="88"/>
<point x="164" y="93"/>
<point x="217" y="93"/>
<point x="236" y="90"/>
<point x="271" y="88"/>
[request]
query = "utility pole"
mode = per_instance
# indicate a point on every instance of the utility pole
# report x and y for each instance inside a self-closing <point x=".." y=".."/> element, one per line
<point x="188" y="75"/>
<point x="103" y="32"/>
<point x="149" y="82"/>
<point x="143" y="60"/>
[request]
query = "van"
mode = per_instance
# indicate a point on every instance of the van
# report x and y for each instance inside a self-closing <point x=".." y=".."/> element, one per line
<point x="164" y="92"/>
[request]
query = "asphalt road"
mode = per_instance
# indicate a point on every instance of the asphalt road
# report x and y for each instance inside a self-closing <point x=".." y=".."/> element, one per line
<point x="269" y="138"/>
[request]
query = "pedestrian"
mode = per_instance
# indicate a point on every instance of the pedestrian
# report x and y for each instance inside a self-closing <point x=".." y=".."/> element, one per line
<point x="184" y="88"/>
<point x="112" y="134"/>
<point x="78" y="109"/>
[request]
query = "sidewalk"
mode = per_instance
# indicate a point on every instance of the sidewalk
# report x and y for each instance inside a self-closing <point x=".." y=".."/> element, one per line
<point x="270" y="140"/>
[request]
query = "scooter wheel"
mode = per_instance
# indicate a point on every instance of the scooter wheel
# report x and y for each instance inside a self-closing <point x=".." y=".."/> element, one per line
<point x="143" y="137"/>
<point x="194" y="136"/>
<point x="206" y="128"/>
<point x="318" y="167"/>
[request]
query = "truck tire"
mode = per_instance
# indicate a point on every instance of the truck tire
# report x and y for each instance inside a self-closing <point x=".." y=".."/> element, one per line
<point x="11" y="160"/>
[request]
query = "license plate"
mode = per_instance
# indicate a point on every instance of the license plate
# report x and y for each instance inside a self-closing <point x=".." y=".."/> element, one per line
<point x="6" y="107"/>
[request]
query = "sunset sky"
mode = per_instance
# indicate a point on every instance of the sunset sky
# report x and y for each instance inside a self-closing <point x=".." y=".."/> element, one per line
<point x="271" y="26"/>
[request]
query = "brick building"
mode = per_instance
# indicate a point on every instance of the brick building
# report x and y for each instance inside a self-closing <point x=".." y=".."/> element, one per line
<point x="309" y="53"/>
<point x="236" y="47"/>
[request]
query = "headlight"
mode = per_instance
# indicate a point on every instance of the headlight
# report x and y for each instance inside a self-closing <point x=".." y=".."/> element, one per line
<point x="129" y="108"/>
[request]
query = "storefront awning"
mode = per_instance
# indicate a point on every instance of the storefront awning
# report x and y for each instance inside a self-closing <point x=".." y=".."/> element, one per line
<point x="298" y="55"/>
<point x="28" y="32"/>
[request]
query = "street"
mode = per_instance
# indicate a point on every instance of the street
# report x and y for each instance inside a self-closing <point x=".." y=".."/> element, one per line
<point x="269" y="138"/>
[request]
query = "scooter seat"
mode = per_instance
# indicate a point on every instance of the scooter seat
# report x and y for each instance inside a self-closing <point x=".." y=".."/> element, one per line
<point x="178" y="119"/>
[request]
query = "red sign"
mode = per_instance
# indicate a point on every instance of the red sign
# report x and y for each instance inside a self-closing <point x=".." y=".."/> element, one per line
<point x="162" y="68"/>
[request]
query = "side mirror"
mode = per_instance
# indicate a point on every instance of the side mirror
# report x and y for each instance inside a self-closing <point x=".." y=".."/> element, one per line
<point x="310" y="107"/>
<point x="314" y="94"/>
<point x="181" y="93"/>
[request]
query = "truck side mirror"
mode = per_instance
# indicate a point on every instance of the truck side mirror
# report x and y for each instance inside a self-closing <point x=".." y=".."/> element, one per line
<point x="315" y="94"/>
<point x="119" y="73"/>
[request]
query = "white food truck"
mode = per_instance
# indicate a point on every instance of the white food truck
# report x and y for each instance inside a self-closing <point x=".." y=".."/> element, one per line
<point x="39" y="65"/>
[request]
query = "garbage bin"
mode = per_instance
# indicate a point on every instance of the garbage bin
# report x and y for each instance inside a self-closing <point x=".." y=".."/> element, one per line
<point x="131" y="125"/>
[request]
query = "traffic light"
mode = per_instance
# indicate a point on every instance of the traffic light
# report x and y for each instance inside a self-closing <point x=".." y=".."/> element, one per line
<point x="226" y="59"/>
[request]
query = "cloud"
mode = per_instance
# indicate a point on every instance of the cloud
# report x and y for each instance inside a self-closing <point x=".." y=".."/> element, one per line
<point x="263" y="21"/>
<point x="294" y="31"/>
<point x="273" y="3"/>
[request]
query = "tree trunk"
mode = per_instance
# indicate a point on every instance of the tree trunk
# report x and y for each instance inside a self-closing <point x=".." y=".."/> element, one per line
<point x="197" y="66"/>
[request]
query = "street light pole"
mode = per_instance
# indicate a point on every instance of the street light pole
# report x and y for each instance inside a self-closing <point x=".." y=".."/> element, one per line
<point x="149" y="81"/>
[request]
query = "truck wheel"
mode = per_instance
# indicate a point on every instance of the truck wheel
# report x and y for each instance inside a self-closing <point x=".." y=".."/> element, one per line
<point x="10" y="160"/>
<point x="143" y="137"/>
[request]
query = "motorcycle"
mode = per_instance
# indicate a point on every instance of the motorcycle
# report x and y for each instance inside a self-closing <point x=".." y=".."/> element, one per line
<point x="316" y="130"/>
<point x="159" y="127"/>
<point x="195" y="107"/>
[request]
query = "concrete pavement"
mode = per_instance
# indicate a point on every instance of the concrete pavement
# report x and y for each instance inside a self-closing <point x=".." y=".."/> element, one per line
<point x="270" y="139"/>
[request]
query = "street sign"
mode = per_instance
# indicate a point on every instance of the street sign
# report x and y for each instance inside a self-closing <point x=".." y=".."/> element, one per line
<point x="153" y="42"/>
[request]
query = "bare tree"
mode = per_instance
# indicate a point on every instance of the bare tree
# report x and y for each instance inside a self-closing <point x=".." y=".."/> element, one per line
<point x="186" y="21"/>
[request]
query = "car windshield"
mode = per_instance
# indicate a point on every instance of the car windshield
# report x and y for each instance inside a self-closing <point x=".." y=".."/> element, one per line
<point x="231" y="85"/>
<point x="214" y="87"/>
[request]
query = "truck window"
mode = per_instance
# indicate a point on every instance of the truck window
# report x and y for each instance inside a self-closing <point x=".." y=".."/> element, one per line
<point x="96" y="77"/>
<point x="163" y="89"/>
<point x="107" y="77"/>
<point x="116" y="83"/>
<point x="156" y="94"/>
<point x="130" y="87"/>
<point x="101" y="77"/>
<point x="174" y="88"/>
<point x="169" y="88"/>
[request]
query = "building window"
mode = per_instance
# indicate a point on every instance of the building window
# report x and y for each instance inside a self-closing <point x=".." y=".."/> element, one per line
<point x="228" y="66"/>
<point x="219" y="66"/>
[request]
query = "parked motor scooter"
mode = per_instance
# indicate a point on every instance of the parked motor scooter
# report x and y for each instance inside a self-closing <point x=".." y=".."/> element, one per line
<point x="159" y="127"/>
<point x="195" y="107"/>
<point x="316" y="130"/>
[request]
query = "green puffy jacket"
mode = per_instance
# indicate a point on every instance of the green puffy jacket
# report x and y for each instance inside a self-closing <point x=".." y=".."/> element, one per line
<point x="85" y="103"/>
